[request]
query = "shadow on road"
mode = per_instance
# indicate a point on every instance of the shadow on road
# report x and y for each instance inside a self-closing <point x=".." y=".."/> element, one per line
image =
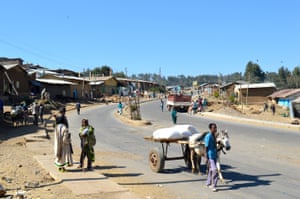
<point x="236" y="180"/>
<point x="108" y="167"/>
<point x="162" y="182"/>
<point x="8" y="132"/>
<point x="122" y="174"/>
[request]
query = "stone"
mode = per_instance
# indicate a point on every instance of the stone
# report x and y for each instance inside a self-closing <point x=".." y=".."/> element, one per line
<point x="8" y="180"/>
<point x="32" y="185"/>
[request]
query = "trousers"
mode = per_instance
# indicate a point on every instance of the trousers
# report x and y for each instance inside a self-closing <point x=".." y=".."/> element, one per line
<point x="212" y="177"/>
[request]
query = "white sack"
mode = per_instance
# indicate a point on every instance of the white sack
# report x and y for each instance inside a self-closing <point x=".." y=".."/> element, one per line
<point x="186" y="130"/>
<point x="166" y="133"/>
<point x="175" y="132"/>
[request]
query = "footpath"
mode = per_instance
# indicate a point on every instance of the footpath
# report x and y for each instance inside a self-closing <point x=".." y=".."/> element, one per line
<point x="81" y="183"/>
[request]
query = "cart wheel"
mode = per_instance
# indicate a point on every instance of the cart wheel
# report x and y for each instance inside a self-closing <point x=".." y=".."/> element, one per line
<point x="156" y="160"/>
<point x="187" y="156"/>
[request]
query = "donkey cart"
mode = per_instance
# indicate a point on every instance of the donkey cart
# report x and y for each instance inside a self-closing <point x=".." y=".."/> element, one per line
<point x="158" y="157"/>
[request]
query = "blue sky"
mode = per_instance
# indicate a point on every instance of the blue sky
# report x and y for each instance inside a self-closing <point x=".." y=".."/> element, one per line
<point x="174" y="37"/>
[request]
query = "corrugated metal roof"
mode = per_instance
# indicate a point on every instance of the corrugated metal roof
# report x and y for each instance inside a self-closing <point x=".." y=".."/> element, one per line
<point x="96" y="83"/>
<point x="226" y="85"/>
<point x="9" y="66"/>
<point x="297" y="100"/>
<point x="71" y="77"/>
<point x="40" y="71"/>
<point x="102" y="78"/>
<point x="284" y="93"/>
<point x="257" y="85"/>
<point x="55" y="81"/>
<point x="134" y="80"/>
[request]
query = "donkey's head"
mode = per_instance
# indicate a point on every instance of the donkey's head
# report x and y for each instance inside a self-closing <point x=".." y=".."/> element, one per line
<point x="223" y="140"/>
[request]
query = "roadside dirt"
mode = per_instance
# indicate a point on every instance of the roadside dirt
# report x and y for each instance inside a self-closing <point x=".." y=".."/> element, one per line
<point x="249" y="111"/>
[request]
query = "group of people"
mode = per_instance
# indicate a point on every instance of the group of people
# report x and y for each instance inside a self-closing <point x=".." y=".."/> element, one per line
<point x="272" y="107"/>
<point x="198" y="105"/>
<point x="63" y="149"/>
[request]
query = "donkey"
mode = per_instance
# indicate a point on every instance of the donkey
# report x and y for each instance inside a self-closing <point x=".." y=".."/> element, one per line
<point x="197" y="149"/>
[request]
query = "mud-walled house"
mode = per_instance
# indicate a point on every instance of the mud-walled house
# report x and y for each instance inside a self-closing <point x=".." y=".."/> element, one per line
<point x="65" y="87"/>
<point x="254" y="93"/>
<point x="14" y="80"/>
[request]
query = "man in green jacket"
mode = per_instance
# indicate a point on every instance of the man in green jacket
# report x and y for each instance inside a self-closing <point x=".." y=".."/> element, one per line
<point x="88" y="140"/>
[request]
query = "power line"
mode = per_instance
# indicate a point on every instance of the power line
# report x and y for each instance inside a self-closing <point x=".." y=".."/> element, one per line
<point x="39" y="55"/>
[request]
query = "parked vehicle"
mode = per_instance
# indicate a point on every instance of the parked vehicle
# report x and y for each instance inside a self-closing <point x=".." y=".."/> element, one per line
<point x="180" y="102"/>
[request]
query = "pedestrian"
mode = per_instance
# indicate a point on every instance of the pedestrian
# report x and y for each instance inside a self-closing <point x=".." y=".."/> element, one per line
<point x="62" y="119"/>
<point x="78" y="106"/>
<point x="204" y="104"/>
<point x="162" y="105"/>
<point x="174" y="115"/>
<point x="200" y="104"/>
<point x="87" y="142"/>
<point x="41" y="112"/>
<point x="62" y="147"/>
<point x="195" y="107"/>
<point x="35" y="109"/>
<point x="25" y="111"/>
<point x="211" y="156"/>
<point x="273" y="109"/>
<point x="120" y="108"/>
<point x="266" y="107"/>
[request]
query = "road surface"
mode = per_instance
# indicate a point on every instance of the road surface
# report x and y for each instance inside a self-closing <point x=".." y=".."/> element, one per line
<point x="263" y="163"/>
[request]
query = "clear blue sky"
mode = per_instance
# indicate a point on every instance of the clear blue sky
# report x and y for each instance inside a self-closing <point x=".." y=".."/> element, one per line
<point x="179" y="37"/>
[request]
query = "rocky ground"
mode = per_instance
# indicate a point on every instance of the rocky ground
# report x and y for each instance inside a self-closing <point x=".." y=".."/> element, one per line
<point x="20" y="173"/>
<point x="250" y="112"/>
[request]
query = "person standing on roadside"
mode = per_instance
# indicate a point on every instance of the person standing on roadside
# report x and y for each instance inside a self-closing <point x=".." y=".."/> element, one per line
<point x="88" y="140"/>
<point x="273" y="108"/>
<point x="120" y="108"/>
<point x="78" y="106"/>
<point x="62" y="147"/>
<point x="211" y="156"/>
<point x="162" y="105"/>
<point x="61" y="118"/>
<point x="41" y="112"/>
<point x="174" y="115"/>
<point x="34" y="109"/>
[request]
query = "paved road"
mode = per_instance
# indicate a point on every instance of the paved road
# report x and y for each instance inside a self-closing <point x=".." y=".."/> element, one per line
<point x="263" y="163"/>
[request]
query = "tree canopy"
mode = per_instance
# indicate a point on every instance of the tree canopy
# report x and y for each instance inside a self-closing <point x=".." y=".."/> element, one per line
<point x="253" y="73"/>
<point x="283" y="78"/>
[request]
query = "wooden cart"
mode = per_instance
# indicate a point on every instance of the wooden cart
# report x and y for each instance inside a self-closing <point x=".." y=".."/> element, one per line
<point x="158" y="157"/>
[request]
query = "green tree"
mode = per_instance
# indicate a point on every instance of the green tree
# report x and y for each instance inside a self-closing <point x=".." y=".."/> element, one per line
<point x="253" y="73"/>
<point x="272" y="77"/>
<point x="120" y="74"/>
<point x="296" y="76"/>
<point x="233" y="77"/>
<point x="283" y="74"/>
<point x="103" y="70"/>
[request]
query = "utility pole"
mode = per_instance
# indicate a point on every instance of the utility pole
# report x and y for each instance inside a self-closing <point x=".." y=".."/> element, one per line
<point x="159" y="73"/>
